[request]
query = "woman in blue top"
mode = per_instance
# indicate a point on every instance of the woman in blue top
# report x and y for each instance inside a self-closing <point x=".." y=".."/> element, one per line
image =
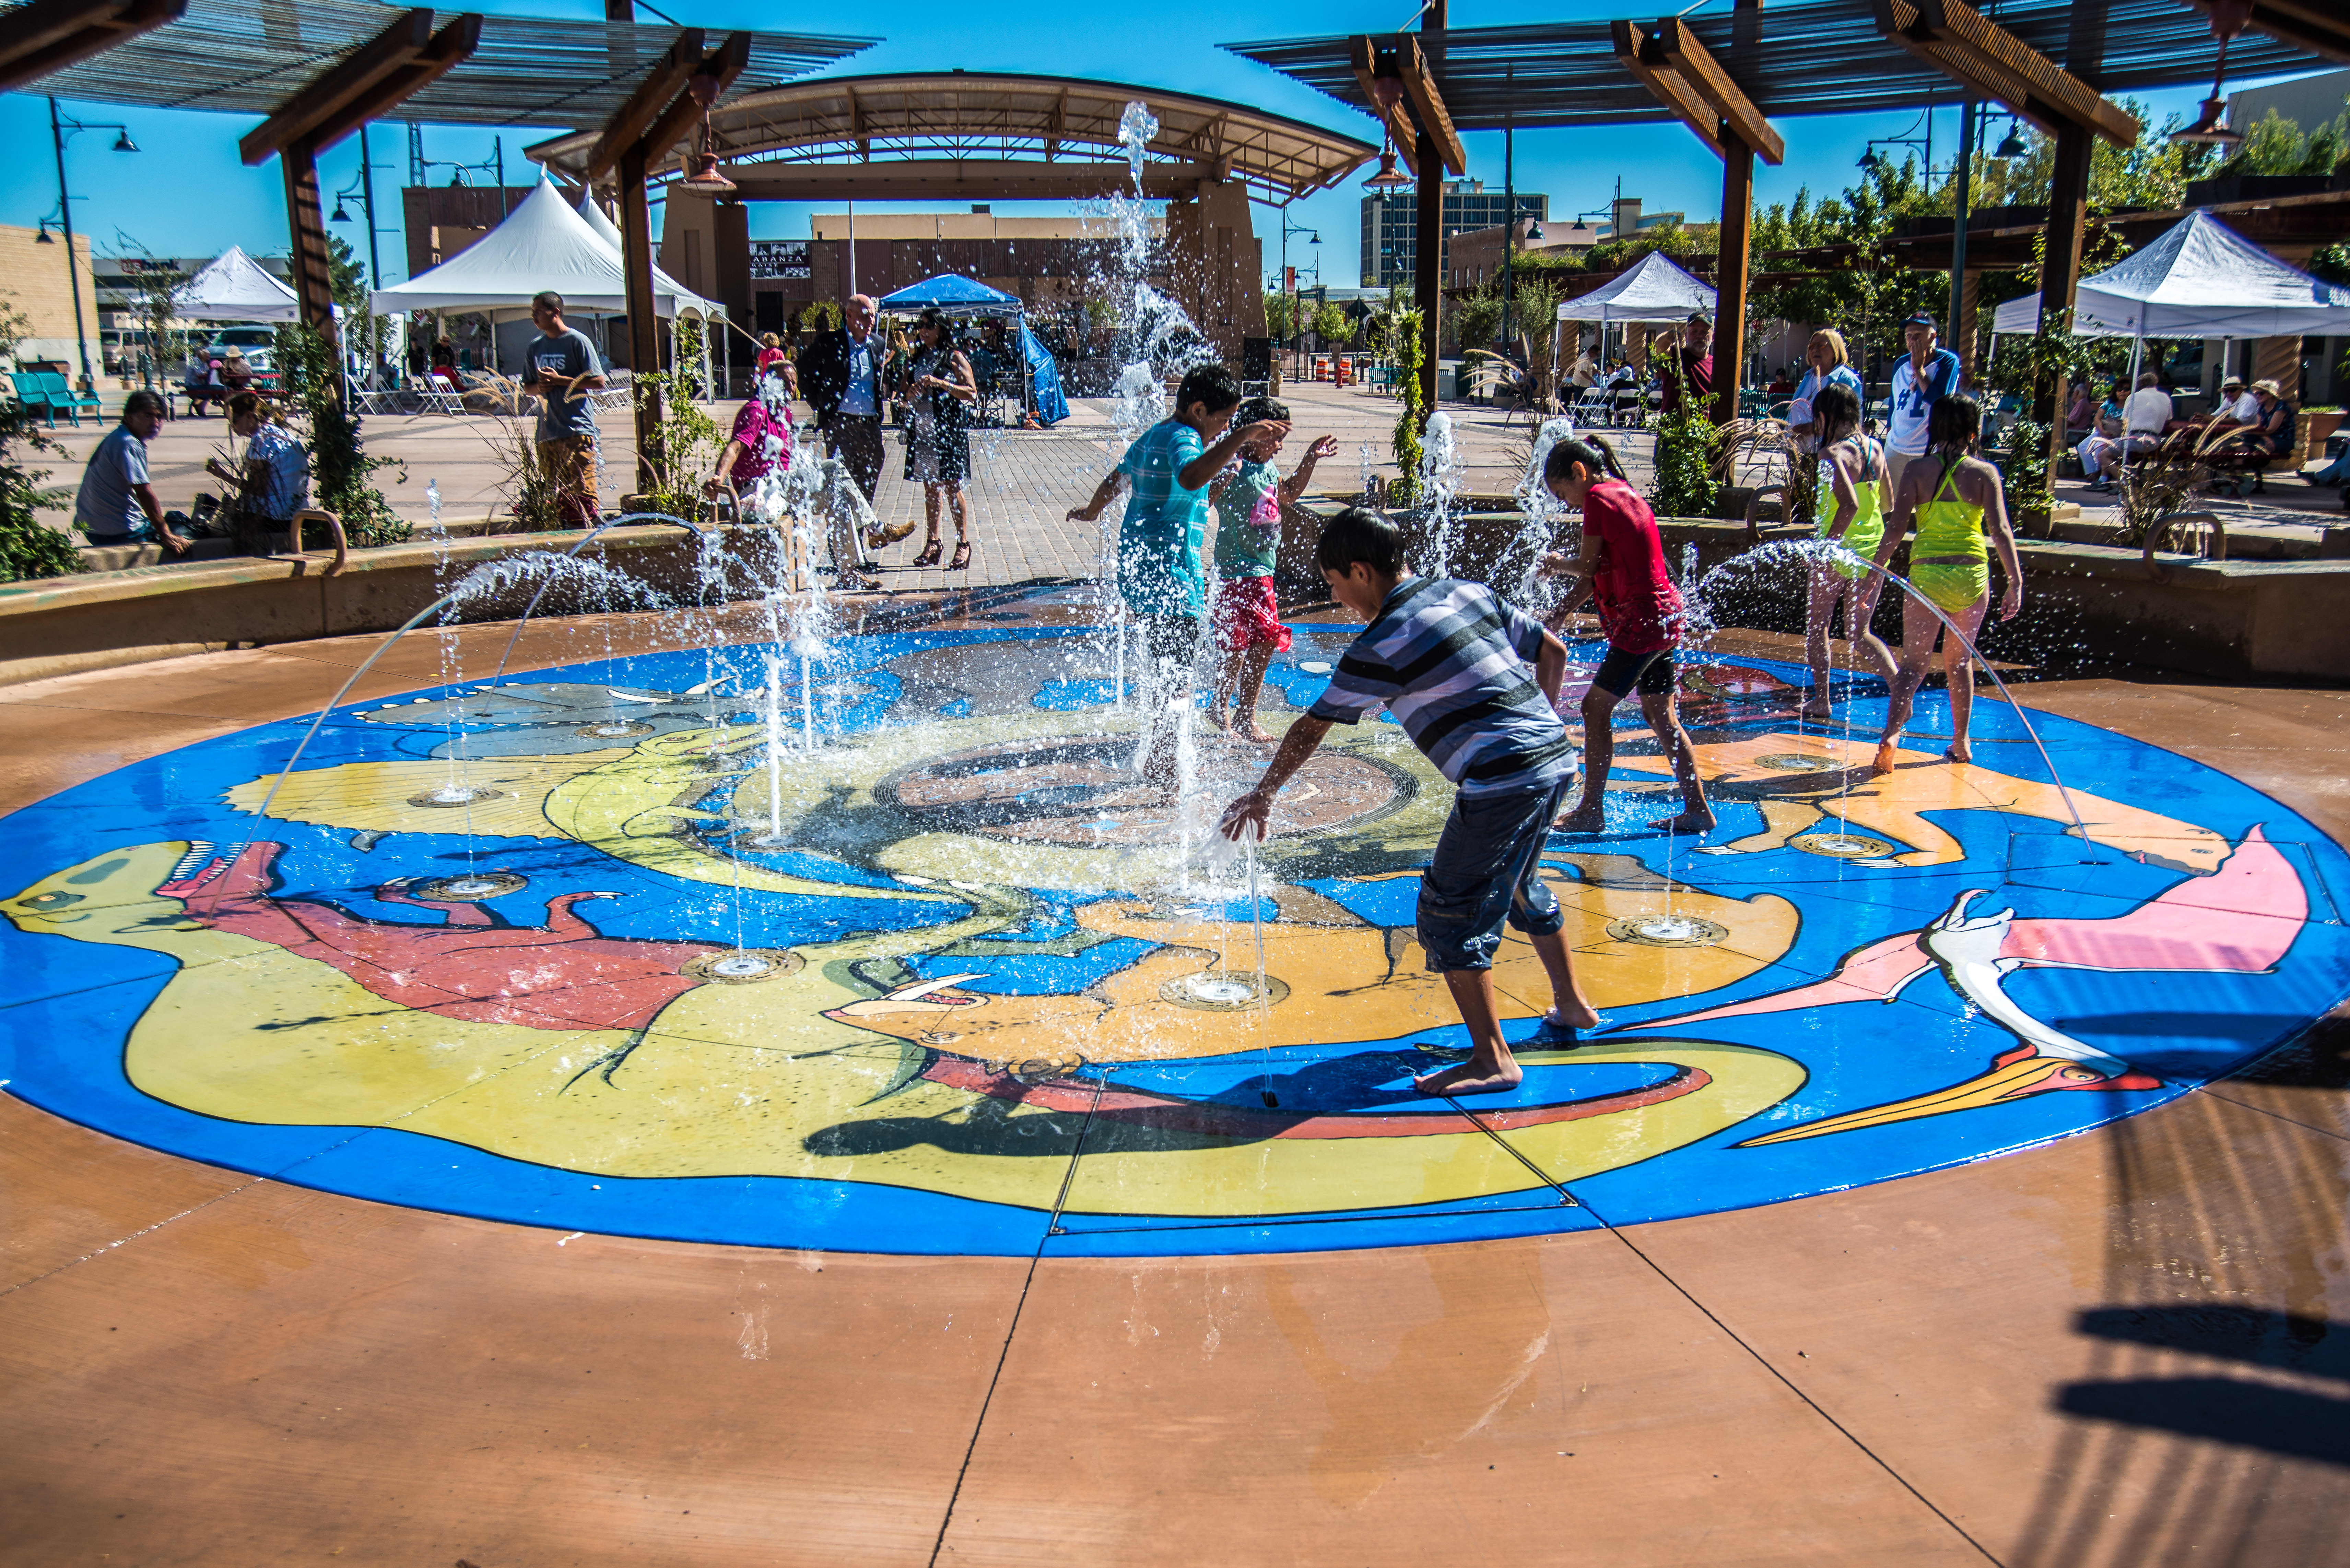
<point x="1829" y="364"/>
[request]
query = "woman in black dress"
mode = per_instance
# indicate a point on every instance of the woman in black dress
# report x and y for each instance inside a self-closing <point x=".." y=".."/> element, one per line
<point x="940" y="389"/>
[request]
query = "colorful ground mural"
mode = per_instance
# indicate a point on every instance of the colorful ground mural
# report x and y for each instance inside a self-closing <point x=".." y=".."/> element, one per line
<point x="580" y="949"/>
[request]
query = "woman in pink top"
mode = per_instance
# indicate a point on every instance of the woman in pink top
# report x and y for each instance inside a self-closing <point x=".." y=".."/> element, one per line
<point x="1622" y="569"/>
<point x="761" y="442"/>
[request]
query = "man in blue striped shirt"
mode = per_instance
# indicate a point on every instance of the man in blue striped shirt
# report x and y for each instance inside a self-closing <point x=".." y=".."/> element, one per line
<point x="1473" y="682"/>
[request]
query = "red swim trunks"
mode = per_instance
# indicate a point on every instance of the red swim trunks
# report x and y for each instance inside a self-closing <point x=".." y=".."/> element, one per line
<point x="1247" y="616"/>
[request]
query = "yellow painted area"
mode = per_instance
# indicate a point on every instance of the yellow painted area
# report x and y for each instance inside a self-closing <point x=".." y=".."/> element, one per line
<point x="1797" y="799"/>
<point x="754" y="1079"/>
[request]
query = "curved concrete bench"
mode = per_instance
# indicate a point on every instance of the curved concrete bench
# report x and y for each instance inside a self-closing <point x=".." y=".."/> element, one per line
<point x="98" y="620"/>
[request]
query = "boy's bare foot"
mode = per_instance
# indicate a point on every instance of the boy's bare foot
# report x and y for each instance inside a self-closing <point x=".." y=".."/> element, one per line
<point x="1473" y="1076"/>
<point x="1961" y="752"/>
<point x="1245" y="726"/>
<point x="1582" y="819"/>
<point x="1218" y="720"/>
<point x="1883" y="762"/>
<point x="1687" y="821"/>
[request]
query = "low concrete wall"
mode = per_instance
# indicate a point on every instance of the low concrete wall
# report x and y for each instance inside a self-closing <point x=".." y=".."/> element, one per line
<point x="98" y="620"/>
<point x="2083" y="603"/>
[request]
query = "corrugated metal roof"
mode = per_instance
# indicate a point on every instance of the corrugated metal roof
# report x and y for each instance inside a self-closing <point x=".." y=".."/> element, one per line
<point x="1824" y="57"/>
<point x="247" y="56"/>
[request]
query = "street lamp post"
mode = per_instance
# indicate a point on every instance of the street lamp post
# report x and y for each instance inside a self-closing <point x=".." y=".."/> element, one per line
<point x="62" y="128"/>
<point x="1288" y="287"/>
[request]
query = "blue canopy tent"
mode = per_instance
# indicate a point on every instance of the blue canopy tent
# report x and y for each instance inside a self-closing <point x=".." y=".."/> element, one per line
<point x="954" y="295"/>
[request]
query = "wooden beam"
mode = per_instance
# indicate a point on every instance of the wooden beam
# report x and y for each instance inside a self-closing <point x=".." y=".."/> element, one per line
<point x="661" y="83"/>
<point x="2060" y="266"/>
<point x="1985" y="58"/>
<point x="449" y="47"/>
<point x="966" y="180"/>
<point x="1364" y="56"/>
<point x="644" y="328"/>
<point x="857" y="128"/>
<point x="47" y="35"/>
<point x="327" y="95"/>
<point x="1670" y="87"/>
<point x="309" y="262"/>
<point x="1427" y="260"/>
<point x="1729" y="273"/>
<point x="2320" y="27"/>
<point x="1680" y="48"/>
<point x="725" y="63"/>
<point x="1427" y="101"/>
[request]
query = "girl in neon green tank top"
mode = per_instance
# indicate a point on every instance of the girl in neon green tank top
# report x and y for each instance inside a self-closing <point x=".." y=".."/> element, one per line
<point x="1954" y="499"/>
<point x="1851" y="511"/>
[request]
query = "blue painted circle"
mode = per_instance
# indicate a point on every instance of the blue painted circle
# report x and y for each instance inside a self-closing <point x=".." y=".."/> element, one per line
<point x="71" y="1005"/>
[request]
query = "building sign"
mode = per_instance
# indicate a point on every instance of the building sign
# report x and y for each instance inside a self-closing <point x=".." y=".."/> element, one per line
<point x="779" y="258"/>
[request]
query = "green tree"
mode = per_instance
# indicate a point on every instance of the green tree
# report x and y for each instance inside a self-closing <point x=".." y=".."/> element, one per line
<point x="151" y="286"/>
<point x="1334" y="326"/>
<point x="1280" y="314"/>
<point x="362" y="330"/>
<point x="1403" y="333"/>
<point x="1477" y="317"/>
<point x="2274" y="145"/>
<point x="28" y="546"/>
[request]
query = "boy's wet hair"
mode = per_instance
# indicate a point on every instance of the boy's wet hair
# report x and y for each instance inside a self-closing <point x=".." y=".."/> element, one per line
<point x="1358" y="533"/>
<point x="1955" y="423"/>
<point x="1258" y="410"/>
<point x="1209" y="384"/>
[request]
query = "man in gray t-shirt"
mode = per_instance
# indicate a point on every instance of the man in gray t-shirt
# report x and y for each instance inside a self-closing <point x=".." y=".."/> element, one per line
<point x="563" y="369"/>
<point x="116" y="504"/>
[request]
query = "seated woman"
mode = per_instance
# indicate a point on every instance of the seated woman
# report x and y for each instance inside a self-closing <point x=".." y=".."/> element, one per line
<point x="2271" y="437"/>
<point x="2101" y="450"/>
<point x="203" y="385"/>
<point x="273" y="482"/>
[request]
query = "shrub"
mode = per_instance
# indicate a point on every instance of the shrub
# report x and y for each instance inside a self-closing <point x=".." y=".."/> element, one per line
<point x="1685" y="486"/>
<point x="310" y="385"/>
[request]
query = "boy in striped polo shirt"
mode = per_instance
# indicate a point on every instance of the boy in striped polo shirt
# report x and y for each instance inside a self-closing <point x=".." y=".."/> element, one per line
<point x="1471" y="682"/>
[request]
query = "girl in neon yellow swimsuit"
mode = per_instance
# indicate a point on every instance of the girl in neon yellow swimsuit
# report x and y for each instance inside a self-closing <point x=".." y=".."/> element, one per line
<point x="1851" y="511"/>
<point x="1954" y="499"/>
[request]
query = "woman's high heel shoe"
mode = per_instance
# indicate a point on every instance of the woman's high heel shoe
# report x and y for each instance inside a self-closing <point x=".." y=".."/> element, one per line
<point x="929" y="555"/>
<point x="962" y="561"/>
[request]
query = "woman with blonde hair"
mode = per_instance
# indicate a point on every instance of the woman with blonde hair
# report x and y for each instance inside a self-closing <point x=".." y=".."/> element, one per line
<point x="1827" y="362"/>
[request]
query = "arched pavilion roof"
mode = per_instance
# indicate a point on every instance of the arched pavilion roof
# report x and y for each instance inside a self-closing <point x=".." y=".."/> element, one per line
<point x="999" y="118"/>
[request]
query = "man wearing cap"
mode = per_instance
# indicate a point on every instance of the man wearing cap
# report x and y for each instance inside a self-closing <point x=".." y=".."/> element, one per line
<point x="1921" y="379"/>
<point x="1687" y="373"/>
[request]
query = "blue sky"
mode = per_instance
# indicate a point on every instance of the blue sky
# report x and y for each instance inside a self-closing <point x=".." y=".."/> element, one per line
<point x="185" y="192"/>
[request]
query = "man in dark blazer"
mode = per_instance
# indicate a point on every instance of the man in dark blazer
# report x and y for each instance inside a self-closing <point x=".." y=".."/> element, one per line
<point x="845" y="375"/>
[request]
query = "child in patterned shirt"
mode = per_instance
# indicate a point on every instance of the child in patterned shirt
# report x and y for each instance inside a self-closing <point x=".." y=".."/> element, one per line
<point x="1249" y="497"/>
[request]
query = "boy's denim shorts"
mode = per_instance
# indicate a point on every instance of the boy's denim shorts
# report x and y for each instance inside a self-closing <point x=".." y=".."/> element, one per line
<point x="1488" y="869"/>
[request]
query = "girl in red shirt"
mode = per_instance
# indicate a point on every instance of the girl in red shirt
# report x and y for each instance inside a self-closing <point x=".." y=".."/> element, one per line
<point x="1622" y="569"/>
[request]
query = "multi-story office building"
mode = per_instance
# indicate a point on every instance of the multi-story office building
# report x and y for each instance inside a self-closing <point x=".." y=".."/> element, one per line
<point x="1391" y="225"/>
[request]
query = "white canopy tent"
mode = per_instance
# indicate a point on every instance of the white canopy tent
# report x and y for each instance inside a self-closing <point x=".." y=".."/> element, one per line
<point x="609" y="232"/>
<point x="232" y="286"/>
<point x="2198" y="279"/>
<point x="543" y="243"/>
<point x="1652" y="289"/>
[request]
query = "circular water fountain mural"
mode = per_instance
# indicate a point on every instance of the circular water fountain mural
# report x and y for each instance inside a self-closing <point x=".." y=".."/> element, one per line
<point x="904" y="958"/>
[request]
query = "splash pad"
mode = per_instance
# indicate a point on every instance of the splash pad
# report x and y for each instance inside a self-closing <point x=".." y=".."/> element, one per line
<point x="608" y="947"/>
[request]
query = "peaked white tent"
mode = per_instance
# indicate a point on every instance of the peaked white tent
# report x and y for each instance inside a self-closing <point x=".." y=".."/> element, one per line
<point x="2198" y="279"/>
<point x="543" y="243"/>
<point x="1653" y="290"/>
<point x="232" y="286"/>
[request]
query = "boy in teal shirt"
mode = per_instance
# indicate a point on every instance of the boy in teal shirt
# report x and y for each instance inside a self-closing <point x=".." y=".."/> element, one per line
<point x="1250" y="498"/>
<point x="1171" y="466"/>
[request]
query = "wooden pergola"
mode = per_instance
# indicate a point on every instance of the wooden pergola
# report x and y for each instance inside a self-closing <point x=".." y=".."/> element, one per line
<point x="318" y="72"/>
<point x="2052" y="62"/>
